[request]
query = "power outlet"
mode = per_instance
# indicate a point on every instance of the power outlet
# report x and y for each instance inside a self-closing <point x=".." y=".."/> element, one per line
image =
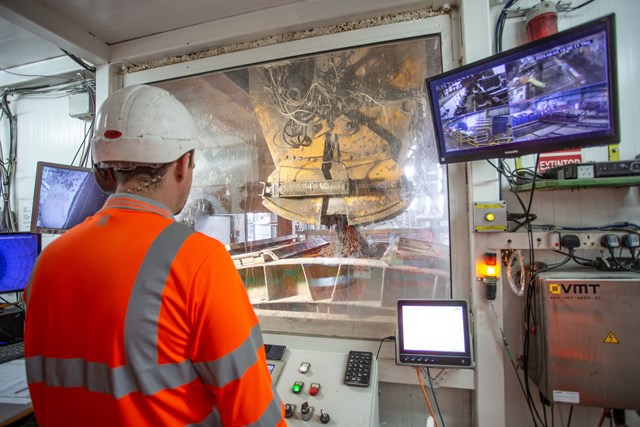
<point x="591" y="240"/>
<point x="585" y="171"/>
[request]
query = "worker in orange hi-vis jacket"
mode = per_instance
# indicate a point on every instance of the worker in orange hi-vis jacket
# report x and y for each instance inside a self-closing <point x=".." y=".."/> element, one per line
<point x="134" y="319"/>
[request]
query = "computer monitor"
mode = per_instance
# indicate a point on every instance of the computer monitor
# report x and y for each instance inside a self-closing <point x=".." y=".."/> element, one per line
<point x="433" y="333"/>
<point x="18" y="253"/>
<point x="555" y="93"/>
<point x="64" y="196"/>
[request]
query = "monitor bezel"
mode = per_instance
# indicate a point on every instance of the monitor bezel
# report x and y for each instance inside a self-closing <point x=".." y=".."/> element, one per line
<point x="517" y="149"/>
<point x="38" y="239"/>
<point x="440" y="359"/>
<point x="41" y="165"/>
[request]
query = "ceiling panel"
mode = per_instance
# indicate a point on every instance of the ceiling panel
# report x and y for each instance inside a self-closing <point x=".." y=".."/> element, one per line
<point x="116" y="21"/>
<point x="19" y="46"/>
<point x="101" y="31"/>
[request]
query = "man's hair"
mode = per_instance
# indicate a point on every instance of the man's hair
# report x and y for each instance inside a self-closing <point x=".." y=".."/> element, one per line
<point x="147" y="178"/>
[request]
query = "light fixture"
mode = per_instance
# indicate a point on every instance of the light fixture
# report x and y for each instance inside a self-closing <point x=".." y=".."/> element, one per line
<point x="488" y="272"/>
<point x="542" y="20"/>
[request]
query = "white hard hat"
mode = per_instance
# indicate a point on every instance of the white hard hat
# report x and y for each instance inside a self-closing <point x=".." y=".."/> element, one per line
<point x="143" y="125"/>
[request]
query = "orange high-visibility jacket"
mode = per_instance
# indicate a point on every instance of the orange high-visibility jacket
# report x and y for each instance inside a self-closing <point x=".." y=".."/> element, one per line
<point x="136" y="320"/>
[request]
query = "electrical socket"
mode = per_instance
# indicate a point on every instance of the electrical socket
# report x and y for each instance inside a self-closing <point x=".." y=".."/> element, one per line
<point x="551" y="241"/>
<point x="592" y="240"/>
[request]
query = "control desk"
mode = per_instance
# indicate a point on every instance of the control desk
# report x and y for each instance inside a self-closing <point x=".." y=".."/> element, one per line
<point x="324" y="381"/>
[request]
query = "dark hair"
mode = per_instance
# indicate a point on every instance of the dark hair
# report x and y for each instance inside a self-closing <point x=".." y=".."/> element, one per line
<point x="147" y="177"/>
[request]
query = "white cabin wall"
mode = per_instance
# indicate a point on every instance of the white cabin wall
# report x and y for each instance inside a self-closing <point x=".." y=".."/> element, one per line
<point x="576" y="208"/>
<point x="45" y="132"/>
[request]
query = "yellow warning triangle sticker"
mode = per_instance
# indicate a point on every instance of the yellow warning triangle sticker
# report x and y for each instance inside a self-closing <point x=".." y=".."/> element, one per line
<point x="611" y="339"/>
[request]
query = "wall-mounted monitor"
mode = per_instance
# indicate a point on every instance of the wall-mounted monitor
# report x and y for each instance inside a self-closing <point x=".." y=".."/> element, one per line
<point x="64" y="196"/>
<point x="556" y="93"/>
<point x="433" y="333"/>
<point x="18" y="253"/>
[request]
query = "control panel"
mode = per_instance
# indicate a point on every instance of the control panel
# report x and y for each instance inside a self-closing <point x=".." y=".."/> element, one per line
<point x="336" y="387"/>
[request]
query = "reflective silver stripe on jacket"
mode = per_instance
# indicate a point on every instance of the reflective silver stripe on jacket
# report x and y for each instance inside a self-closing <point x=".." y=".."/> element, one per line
<point x="143" y="312"/>
<point x="272" y="414"/>
<point x="142" y="373"/>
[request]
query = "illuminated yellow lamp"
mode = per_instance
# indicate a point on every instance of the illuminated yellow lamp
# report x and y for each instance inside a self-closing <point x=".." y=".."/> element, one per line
<point x="488" y="272"/>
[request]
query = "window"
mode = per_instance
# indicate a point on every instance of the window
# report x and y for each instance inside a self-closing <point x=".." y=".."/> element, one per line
<point x="325" y="172"/>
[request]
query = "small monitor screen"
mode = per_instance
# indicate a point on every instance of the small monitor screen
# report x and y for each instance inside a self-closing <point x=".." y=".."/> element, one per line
<point x="555" y="93"/>
<point x="64" y="196"/>
<point x="18" y="253"/>
<point x="433" y="333"/>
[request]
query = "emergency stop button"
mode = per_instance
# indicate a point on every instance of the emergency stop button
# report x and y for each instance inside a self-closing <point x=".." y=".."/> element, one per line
<point x="314" y="389"/>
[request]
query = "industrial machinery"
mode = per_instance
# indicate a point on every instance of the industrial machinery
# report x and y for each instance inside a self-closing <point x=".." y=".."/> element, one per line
<point x="338" y="141"/>
<point x="334" y="153"/>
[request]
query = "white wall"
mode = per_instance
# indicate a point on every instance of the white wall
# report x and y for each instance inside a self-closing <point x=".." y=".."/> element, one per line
<point x="577" y="208"/>
<point x="46" y="132"/>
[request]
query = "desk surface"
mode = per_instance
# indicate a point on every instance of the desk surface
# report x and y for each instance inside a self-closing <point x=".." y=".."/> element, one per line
<point x="15" y="403"/>
<point x="10" y="413"/>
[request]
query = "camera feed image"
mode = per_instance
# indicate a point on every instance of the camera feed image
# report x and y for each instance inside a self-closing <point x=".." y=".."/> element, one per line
<point x="18" y="253"/>
<point x="474" y="109"/>
<point x="67" y="197"/>
<point x="557" y="92"/>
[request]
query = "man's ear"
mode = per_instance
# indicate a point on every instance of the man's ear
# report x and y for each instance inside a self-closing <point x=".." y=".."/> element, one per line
<point x="182" y="164"/>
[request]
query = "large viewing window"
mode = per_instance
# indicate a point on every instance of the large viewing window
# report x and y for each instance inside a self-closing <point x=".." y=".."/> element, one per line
<point x="321" y="176"/>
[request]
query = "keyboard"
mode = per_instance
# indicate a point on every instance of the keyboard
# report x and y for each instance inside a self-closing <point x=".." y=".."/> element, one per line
<point x="358" y="369"/>
<point x="11" y="351"/>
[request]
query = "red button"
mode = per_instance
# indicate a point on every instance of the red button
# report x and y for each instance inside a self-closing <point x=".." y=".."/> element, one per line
<point x="314" y="389"/>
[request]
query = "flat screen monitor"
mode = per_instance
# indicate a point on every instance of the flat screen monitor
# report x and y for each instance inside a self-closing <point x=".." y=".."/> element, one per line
<point x="556" y="93"/>
<point x="433" y="333"/>
<point x="18" y="253"/>
<point x="64" y="196"/>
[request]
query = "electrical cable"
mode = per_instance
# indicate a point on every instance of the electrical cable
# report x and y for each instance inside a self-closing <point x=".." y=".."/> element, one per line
<point x="528" y="310"/>
<point x="570" y="415"/>
<point x="500" y="26"/>
<point x="8" y="220"/>
<point x="389" y="338"/>
<point x="605" y="413"/>
<point x="581" y="5"/>
<point x="505" y="342"/>
<point x="80" y="62"/>
<point x="518" y="290"/>
<point x="15" y="304"/>
<point x="535" y="416"/>
<point x="529" y="307"/>
<point x="618" y="226"/>
<point x="585" y="262"/>
<point x="426" y="399"/>
<point x="619" y="264"/>
<point x="435" y="398"/>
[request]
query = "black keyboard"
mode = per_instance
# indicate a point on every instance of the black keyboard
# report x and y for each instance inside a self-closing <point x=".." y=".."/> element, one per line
<point x="358" y="369"/>
<point x="11" y="351"/>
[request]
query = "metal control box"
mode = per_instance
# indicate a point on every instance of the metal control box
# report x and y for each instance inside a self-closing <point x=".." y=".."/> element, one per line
<point x="587" y="345"/>
<point x="490" y="216"/>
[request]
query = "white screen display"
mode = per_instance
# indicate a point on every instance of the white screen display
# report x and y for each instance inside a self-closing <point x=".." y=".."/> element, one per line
<point x="428" y="328"/>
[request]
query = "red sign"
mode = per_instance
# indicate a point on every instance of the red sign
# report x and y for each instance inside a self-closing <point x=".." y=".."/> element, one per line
<point x="558" y="158"/>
